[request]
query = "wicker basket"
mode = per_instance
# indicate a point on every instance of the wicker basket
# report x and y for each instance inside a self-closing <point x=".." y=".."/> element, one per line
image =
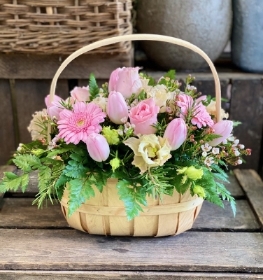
<point x="62" y="26"/>
<point x="105" y="213"/>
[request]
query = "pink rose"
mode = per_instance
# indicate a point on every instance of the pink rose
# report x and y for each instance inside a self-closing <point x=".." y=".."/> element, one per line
<point x="143" y="116"/>
<point x="116" y="107"/>
<point x="176" y="133"/>
<point x="223" y="128"/>
<point x="98" y="147"/>
<point x="80" y="94"/>
<point x="126" y="81"/>
<point x="54" y="107"/>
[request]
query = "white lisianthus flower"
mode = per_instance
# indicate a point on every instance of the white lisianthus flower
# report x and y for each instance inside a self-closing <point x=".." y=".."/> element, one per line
<point x="149" y="151"/>
<point x="211" y="109"/>
<point x="37" y="126"/>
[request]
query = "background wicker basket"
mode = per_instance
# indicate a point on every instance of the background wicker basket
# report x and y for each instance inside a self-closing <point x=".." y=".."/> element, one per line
<point x="62" y="26"/>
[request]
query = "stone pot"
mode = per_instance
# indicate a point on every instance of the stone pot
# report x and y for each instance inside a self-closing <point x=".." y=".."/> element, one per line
<point x="204" y="23"/>
<point x="247" y="35"/>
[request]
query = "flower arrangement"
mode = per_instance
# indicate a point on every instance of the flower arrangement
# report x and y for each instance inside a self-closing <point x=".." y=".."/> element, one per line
<point x="152" y="136"/>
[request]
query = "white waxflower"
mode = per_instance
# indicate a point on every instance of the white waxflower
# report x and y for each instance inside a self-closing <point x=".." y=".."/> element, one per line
<point x="206" y="147"/>
<point x="215" y="151"/>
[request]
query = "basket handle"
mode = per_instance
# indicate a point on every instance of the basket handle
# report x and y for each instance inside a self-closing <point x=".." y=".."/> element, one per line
<point x="142" y="37"/>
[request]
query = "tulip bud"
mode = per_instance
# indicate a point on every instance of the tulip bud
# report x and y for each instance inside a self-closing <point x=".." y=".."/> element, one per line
<point x="116" y="107"/>
<point x="126" y="81"/>
<point x="54" y="107"/>
<point x="223" y="128"/>
<point x="176" y="133"/>
<point x="98" y="147"/>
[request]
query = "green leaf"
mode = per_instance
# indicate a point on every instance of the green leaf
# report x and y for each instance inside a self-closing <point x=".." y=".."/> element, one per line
<point x="13" y="182"/>
<point x="27" y="162"/>
<point x="59" y="151"/>
<point x="132" y="198"/>
<point x="79" y="191"/>
<point x="170" y="74"/>
<point x="93" y="87"/>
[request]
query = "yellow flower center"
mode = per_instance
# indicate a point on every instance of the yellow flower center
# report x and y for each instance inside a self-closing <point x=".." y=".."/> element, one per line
<point x="80" y="122"/>
<point x="151" y="152"/>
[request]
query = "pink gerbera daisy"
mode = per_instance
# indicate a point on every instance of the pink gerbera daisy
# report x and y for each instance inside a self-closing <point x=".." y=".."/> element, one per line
<point x="76" y="125"/>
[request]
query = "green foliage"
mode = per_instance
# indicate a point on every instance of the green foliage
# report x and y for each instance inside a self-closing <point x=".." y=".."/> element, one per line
<point x="132" y="197"/>
<point x="79" y="191"/>
<point x="170" y="74"/>
<point x="93" y="87"/>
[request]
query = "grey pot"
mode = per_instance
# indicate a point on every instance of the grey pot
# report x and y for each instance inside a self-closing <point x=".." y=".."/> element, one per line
<point x="204" y="23"/>
<point x="247" y="35"/>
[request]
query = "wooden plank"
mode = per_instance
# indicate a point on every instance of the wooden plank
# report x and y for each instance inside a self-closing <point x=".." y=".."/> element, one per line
<point x="73" y="250"/>
<point x="7" y="133"/>
<point x="246" y="107"/>
<point x="224" y="74"/>
<point x="20" y="213"/>
<point x="121" y="275"/>
<point x="234" y="187"/>
<point x="253" y="187"/>
<point x="36" y="66"/>
<point x="30" y="95"/>
<point x="213" y="217"/>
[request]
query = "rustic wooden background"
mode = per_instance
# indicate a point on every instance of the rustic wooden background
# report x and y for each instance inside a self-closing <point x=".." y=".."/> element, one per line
<point x="25" y="81"/>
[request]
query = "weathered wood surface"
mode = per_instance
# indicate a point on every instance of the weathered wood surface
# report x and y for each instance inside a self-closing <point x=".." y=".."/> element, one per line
<point x="122" y="275"/>
<point x="30" y="97"/>
<point x="73" y="250"/>
<point x="8" y="140"/>
<point x="247" y="107"/>
<point x="253" y="186"/>
<point x="33" y="66"/>
<point x="39" y="244"/>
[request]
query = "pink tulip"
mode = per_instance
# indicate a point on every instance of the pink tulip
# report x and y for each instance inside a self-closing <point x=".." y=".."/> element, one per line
<point x="54" y="107"/>
<point x="223" y="128"/>
<point x="80" y="94"/>
<point x="126" y="81"/>
<point x="176" y="133"/>
<point x="143" y="116"/>
<point x="116" y="108"/>
<point x="98" y="147"/>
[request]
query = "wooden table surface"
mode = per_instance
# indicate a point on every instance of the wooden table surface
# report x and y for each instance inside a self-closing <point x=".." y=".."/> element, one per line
<point x="38" y="244"/>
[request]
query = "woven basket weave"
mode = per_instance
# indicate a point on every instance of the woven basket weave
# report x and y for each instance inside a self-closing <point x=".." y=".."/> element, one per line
<point x="105" y="213"/>
<point x="63" y="26"/>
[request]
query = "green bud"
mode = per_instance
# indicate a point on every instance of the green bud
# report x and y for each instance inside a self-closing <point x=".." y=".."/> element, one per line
<point x="191" y="172"/>
<point x="111" y="135"/>
<point x="194" y="173"/>
<point x="115" y="163"/>
<point x="199" y="191"/>
<point x="37" y="152"/>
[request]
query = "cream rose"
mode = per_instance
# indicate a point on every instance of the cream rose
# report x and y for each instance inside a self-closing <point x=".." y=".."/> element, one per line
<point x="149" y="151"/>
<point x="160" y="95"/>
<point x="37" y="125"/>
<point x="211" y="109"/>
